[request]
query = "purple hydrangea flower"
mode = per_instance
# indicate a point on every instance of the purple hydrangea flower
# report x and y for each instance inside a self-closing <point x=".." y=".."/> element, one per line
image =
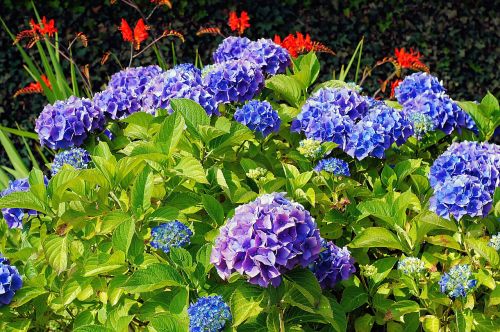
<point x="461" y="195"/>
<point x="10" y="281"/>
<point x="76" y="157"/>
<point x="329" y="115"/>
<point x="134" y="79"/>
<point x="169" y="235"/>
<point x="334" y="166"/>
<point x="267" y="55"/>
<point x="446" y="115"/>
<point x="259" y="116"/>
<point x="333" y="265"/>
<point x="367" y="139"/>
<point x="415" y="85"/>
<point x="481" y="160"/>
<point x="457" y="282"/>
<point x="14" y="216"/>
<point x="182" y="81"/>
<point x="67" y="123"/>
<point x="265" y="239"/>
<point x="209" y="314"/>
<point x="234" y="81"/>
<point x="396" y="126"/>
<point x="189" y="68"/>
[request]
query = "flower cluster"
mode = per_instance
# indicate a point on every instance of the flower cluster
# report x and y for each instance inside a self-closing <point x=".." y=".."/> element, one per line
<point x="257" y="173"/>
<point x="182" y="81"/>
<point x="125" y="90"/>
<point x="270" y="57"/>
<point x="67" y="123"/>
<point x="416" y="84"/>
<point x="239" y="24"/>
<point x="136" y="36"/>
<point x="34" y="87"/>
<point x="310" y="148"/>
<point x="422" y="123"/>
<point x="464" y="179"/>
<point x="234" y="81"/>
<point x="208" y="314"/>
<point x="170" y="235"/>
<point x="259" y="116"/>
<point x="334" y="166"/>
<point x="14" y="216"/>
<point x="457" y="282"/>
<point x="266" y="238"/>
<point x="333" y="265"/>
<point x="411" y="266"/>
<point x="495" y="242"/>
<point x="10" y="281"/>
<point x="76" y="157"/>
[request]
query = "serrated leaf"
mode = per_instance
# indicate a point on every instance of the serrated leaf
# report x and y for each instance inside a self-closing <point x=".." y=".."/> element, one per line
<point x="170" y="133"/>
<point x="286" y="87"/>
<point x="122" y="236"/>
<point x="485" y="251"/>
<point x="142" y="190"/>
<point x="25" y="295"/>
<point x="56" y="252"/>
<point x="155" y="276"/>
<point x="191" y="168"/>
<point x="213" y="208"/>
<point x="244" y="305"/>
<point x="376" y="237"/>
<point x="353" y="297"/>
<point x="24" y="200"/>
<point x="194" y="115"/>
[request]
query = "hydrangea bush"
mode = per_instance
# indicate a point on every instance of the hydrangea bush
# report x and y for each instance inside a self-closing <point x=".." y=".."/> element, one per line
<point x="247" y="196"/>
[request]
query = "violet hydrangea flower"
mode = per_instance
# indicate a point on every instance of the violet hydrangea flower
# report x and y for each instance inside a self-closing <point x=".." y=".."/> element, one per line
<point x="76" y="157"/>
<point x="14" y="216"/>
<point x="457" y="282"/>
<point x="208" y="314"/>
<point x="67" y="123"/>
<point x="234" y="81"/>
<point x="334" y="166"/>
<point x="259" y="116"/>
<point x="333" y="265"/>
<point x="182" y="81"/>
<point x="416" y="84"/>
<point x="265" y="239"/>
<point x="10" y="281"/>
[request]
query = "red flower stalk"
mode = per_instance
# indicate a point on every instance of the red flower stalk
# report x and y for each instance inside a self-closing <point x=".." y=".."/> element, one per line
<point x="209" y="31"/>
<point x="33" y="87"/>
<point x="168" y="33"/>
<point x="137" y="36"/>
<point x="295" y="44"/>
<point x="404" y="59"/>
<point x="394" y="85"/>
<point x="238" y="23"/>
<point x="37" y="31"/>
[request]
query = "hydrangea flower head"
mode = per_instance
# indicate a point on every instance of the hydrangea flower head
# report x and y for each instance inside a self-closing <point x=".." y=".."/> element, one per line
<point x="333" y="265"/>
<point x="259" y="116"/>
<point x="133" y="80"/>
<point x="182" y="81"/>
<point x="416" y="84"/>
<point x="10" y="281"/>
<point x="169" y="235"/>
<point x="233" y="48"/>
<point x="411" y="266"/>
<point x="495" y="242"/>
<point x="461" y="195"/>
<point x="310" y="148"/>
<point x="334" y="166"/>
<point x="257" y="173"/>
<point x="265" y="239"/>
<point x="208" y="314"/>
<point x="457" y="282"/>
<point x="67" y="123"/>
<point x="367" y="139"/>
<point x="14" y="216"/>
<point x="396" y="126"/>
<point x="188" y="68"/>
<point x="422" y="123"/>
<point x="234" y="81"/>
<point x="76" y="157"/>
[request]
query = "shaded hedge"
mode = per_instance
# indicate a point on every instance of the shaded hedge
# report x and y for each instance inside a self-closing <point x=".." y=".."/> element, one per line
<point x="459" y="39"/>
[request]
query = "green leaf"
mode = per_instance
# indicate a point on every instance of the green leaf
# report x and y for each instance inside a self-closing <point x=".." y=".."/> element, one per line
<point x="272" y="320"/>
<point x="353" y="297"/>
<point x="192" y="112"/>
<point x="191" y="168"/>
<point x="93" y="328"/>
<point x="140" y="196"/>
<point x="494" y="296"/>
<point x="181" y="257"/>
<point x="401" y="308"/>
<point x="25" y="295"/>
<point x="165" y="321"/>
<point x="384" y="267"/>
<point x="155" y="276"/>
<point x="444" y="240"/>
<point x="307" y="69"/>
<point x="56" y="252"/>
<point x="170" y="133"/>
<point x="213" y="208"/>
<point x="364" y="323"/>
<point x="122" y="236"/>
<point x="431" y="324"/>
<point x="485" y="251"/>
<point x="24" y="200"/>
<point x="245" y="303"/>
<point x="286" y="87"/>
<point x="376" y="237"/>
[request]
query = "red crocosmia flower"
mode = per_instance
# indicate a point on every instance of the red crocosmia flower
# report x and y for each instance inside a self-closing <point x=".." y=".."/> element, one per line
<point x="137" y="36"/>
<point x="408" y="59"/>
<point x="238" y="23"/>
<point x="44" y="28"/>
<point x="33" y="87"/>
<point x="295" y="44"/>
<point x="394" y="85"/>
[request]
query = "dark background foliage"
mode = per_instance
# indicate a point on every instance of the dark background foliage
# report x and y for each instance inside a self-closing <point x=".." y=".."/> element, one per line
<point x="460" y="39"/>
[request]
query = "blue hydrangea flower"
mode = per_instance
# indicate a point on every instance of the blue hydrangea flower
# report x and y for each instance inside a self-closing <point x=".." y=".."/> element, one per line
<point x="333" y="265"/>
<point x="495" y="242"/>
<point x="14" y="216"/>
<point x="170" y="235"/>
<point x="446" y="115"/>
<point x="67" y="123"/>
<point x="461" y="195"/>
<point x="76" y="157"/>
<point x="396" y="126"/>
<point x="265" y="239"/>
<point x="457" y="282"/>
<point x="329" y="115"/>
<point x="182" y="81"/>
<point x="234" y="81"/>
<point x="411" y="266"/>
<point x="10" y="281"/>
<point x="481" y="160"/>
<point x="134" y="79"/>
<point x="367" y="139"/>
<point x="208" y="314"/>
<point x="267" y="55"/>
<point x="416" y="84"/>
<point x="259" y="116"/>
<point x="334" y="166"/>
<point x="189" y="68"/>
<point x="421" y="123"/>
